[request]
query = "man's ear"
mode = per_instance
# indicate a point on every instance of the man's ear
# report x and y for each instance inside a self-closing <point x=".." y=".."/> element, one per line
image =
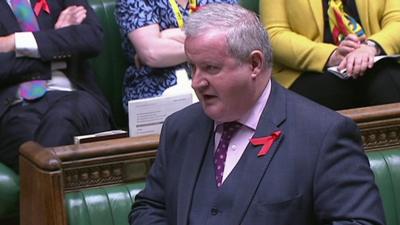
<point x="256" y="62"/>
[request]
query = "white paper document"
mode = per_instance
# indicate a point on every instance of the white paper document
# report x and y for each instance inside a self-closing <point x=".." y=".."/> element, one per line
<point x="146" y="116"/>
<point x="106" y="135"/>
<point x="343" y="73"/>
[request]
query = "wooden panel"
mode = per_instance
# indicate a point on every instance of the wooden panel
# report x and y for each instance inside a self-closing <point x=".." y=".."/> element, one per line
<point x="379" y="125"/>
<point x="42" y="197"/>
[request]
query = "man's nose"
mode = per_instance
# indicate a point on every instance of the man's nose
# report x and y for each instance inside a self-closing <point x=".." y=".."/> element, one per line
<point x="198" y="80"/>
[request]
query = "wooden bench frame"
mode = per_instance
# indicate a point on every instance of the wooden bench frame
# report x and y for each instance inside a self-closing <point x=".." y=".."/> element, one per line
<point x="379" y="125"/>
<point x="48" y="173"/>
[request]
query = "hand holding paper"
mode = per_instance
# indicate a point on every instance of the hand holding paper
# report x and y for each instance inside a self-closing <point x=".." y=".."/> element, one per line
<point x="343" y="73"/>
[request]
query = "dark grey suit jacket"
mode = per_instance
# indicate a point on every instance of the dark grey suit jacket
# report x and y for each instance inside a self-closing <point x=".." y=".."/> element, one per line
<point x="316" y="173"/>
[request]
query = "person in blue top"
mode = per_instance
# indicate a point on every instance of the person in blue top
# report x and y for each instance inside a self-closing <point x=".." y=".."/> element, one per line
<point x="153" y="41"/>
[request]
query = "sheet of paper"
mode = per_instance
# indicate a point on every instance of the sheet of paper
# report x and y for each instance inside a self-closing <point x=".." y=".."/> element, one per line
<point x="146" y="116"/>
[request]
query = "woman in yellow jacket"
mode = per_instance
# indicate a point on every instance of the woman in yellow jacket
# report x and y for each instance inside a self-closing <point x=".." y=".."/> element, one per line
<point x="303" y="37"/>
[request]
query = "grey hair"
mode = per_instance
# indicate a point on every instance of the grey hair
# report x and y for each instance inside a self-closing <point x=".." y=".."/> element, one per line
<point x="244" y="31"/>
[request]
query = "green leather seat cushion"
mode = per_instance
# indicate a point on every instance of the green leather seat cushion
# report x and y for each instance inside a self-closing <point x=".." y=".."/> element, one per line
<point x="108" y="205"/>
<point x="9" y="192"/>
<point x="252" y="5"/>
<point x="386" y="167"/>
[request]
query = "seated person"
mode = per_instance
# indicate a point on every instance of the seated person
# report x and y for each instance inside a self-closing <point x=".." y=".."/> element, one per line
<point x="310" y="36"/>
<point x="47" y="90"/>
<point x="251" y="152"/>
<point x="153" y="41"/>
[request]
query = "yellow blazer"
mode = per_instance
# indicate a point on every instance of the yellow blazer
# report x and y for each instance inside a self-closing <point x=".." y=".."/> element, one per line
<point x="296" y="29"/>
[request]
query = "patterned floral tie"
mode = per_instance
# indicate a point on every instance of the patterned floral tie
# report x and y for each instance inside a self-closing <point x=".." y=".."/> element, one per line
<point x="229" y="130"/>
<point x="341" y="23"/>
<point x="26" y="18"/>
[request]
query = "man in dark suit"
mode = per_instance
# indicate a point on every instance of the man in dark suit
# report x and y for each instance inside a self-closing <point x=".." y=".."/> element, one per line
<point x="68" y="33"/>
<point x="290" y="162"/>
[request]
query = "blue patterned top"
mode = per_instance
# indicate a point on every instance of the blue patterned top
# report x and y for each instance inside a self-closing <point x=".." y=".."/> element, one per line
<point x="145" y="81"/>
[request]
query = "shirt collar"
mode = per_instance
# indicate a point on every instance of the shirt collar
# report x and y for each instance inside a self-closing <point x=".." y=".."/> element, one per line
<point x="251" y="118"/>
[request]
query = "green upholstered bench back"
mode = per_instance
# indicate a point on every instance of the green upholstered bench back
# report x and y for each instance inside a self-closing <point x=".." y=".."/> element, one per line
<point x="109" y="205"/>
<point x="110" y="65"/>
<point x="386" y="167"/>
<point x="252" y="5"/>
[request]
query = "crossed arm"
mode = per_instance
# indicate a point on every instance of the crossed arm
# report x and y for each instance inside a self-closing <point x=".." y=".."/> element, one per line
<point x="77" y="32"/>
<point x="72" y="15"/>
<point x="157" y="48"/>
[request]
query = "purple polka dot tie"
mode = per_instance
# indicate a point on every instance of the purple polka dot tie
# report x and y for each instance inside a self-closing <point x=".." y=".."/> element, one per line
<point x="27" y="20"/>
<point x="229" y="130"/>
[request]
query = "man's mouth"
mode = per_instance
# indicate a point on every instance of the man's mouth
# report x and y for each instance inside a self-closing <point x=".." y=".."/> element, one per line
<point x="207" y="97"/>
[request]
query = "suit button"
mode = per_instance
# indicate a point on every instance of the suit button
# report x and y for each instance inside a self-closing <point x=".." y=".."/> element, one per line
<point x="214" y="211"/>
<point x="8" y="101"/>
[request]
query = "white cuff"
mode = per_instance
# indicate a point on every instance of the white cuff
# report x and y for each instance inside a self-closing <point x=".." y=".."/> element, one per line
<point x="25" y="45"/>
<point x="58" y="65"/>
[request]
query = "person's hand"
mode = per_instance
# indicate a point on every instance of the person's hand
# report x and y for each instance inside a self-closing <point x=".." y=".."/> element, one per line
<point x="335" y="59"/>
<point x="7" y="43"/>
<point x="72" y="15"/>
<point x="358" y="61"/>
<point x="349" y="44"/>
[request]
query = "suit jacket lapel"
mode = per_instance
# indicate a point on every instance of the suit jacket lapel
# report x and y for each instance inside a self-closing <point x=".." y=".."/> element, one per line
<point x="272" y="117"/>
<point x="8" y="20"/>
<point x="197" y="142"/>
<point x="316" y="8"/>
<point x="362" y="8"/>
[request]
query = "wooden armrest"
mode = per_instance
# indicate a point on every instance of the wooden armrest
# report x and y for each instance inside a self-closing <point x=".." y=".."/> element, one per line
<point x="373" y="113"/>
<point x="52" y="158"/>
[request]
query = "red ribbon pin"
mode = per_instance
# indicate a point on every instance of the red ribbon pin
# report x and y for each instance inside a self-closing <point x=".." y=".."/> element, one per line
<point x="41" y="5"/>
<point x="266" y="142"/>
<point x="194" y="8"/>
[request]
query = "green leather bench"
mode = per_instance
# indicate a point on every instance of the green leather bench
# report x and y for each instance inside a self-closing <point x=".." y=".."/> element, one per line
<point x="101" y="206"/>
<point x="386" y="167"/>
<point x="9" y="196"/>
<point x="92" y="183"/>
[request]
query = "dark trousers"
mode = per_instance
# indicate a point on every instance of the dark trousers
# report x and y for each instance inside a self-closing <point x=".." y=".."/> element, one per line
<point x="52" y="120"/>
<point x="379" y="85"/>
